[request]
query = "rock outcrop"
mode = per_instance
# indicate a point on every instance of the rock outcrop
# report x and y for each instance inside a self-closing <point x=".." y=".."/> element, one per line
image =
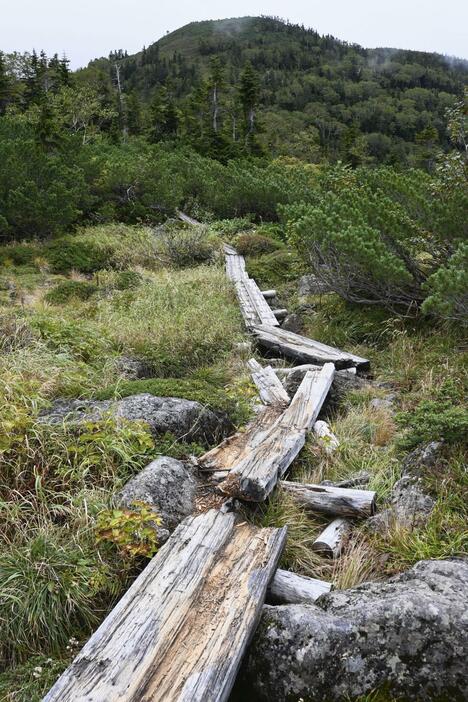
<point x="168" y="486"/>
<point x="409" y="633"/>
<point x="183" y="418"/>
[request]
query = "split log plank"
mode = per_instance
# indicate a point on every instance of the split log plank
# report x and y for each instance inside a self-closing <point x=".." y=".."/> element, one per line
<point x="332" y="540"/>
<point x="185" y="218"/>
<point x="290" y="588"/>
<point x="281" y="313"/>
<point x="268" y="384"/>
<point x="180" y="631"/>
<point x="254" y="307"/>
<point x="256" y="473"/>
<point x="234" y="447"/>
<point x="326" y="437"/>
<point x="303" y="349"/>
<point x="325" y="499"/>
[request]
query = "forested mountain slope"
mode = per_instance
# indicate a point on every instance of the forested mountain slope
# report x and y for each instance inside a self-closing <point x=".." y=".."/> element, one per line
<point x="315" y="96"/>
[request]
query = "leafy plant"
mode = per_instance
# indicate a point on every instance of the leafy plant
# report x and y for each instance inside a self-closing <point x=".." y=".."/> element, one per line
<point x="69" y="290"/>
<point x="434" y="420"/>
<point x="132" y="531"/>
<point x="255" y="244"/>
<point x="65" y="255"/>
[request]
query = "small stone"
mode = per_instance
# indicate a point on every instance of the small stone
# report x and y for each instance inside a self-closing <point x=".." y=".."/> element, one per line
<point x="292" y="323"/>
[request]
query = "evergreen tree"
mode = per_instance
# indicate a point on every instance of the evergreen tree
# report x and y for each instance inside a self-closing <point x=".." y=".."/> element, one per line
<point x="164" y="116"/>
<point x="249" y="93"/>
<point x="5" y="86"/>
<point x="134" y="113"/>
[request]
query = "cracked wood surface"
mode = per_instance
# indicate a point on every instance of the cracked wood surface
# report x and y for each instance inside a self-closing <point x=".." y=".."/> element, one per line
<point x="269" y="386"/>
<point x="256" y="472"/>
<point x="302" y="349"/>
<point x="326" y="499"/>
<point x="180" y="631"/>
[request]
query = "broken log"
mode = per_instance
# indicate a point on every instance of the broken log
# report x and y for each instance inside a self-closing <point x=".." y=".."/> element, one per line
<point x="290" y="588"/>
<point x="268" y="384"/>
<point x="303" y="349"/>
<point x="234" y="447"/>
<point x="269" y="294"/>
<point x="325" y="499"/>
<point x="332" y="540"/>
<point x="185" y="218"/>
<point x="326" y="437"/>
<point x="256" y="472"/>
<point x="180" y="631"/>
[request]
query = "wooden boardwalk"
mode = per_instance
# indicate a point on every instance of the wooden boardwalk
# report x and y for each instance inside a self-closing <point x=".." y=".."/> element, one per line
<point x="181" y="630"/>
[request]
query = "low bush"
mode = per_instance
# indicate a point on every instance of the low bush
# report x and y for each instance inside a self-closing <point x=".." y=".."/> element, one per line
<point x="69" y="290"/>
<point x="434" y="420"/>
<point x="67" y="254"/>
<point x="18" y="254"/>
<point x="275" y="268"/>
<point x="185" y="246"/>
<point x="255" y="244"/>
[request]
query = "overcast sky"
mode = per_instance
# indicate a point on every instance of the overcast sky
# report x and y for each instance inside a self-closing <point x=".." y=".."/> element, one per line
<point x="85" y="29"/>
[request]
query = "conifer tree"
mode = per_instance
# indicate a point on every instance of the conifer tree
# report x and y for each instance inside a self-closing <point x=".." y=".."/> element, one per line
<point x="249" y="93"/>
<point x="5" y="86"/>
<point x="134" y="113"/>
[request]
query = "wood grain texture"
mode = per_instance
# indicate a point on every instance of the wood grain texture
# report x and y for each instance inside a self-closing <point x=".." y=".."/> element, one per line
<point x="303" y="349"/>
<point x="254" y="308"/>
<point x="256" y="472"/>
<point x="180" y="631"/>
<point x="268" y="384"/>
<point x="325" y="499"/>
<point x="290" y="588"/>
<point x="332" y="540"/>
<point x="235" y="267"/>
<point x="240" y="444"/>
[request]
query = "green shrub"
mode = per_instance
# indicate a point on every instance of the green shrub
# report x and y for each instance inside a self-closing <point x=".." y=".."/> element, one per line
<point x="81" y="339"/>
<point x="434" y="420"/>
<point x="30" y="681"/>
<point x="185" y="246"/>
<point x="69" y="290"/>
<point x="19" y="254"/>
<point x="448" y="288"/>
<point x="275" y="268"/>
<point x="255" y="244"/>
<point x="125" y="280"/>
<point x="230" y="227"/>
<point x="48" y="590"/>
<point x="65" y="255"/>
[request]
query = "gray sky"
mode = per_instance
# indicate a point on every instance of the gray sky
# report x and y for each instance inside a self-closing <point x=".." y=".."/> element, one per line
<point x="86" y="29"/>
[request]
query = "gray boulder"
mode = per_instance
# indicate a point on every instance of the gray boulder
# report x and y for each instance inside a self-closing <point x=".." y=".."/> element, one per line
<point x="293" y="323"/>
<point x="133" y="368"/>
<point x="409" y="633"/>
<point x="424" y="458"/>
<point x="410" y="507"/>
<point x="311" y="285"/>
<point x="183" y="418"/>
<point x="168" y="486"/>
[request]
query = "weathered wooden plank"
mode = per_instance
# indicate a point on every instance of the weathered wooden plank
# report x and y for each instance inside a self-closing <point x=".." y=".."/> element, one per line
<point x="254" y="307"/>
<point x="229" y="451"/>
<point x="230" y="250"/>
<point x="303" y="349"/>
<point x="290" y="588"/>
<point x="180" y="631"/>
<point x="268" y="384"/>
<point x="326" y="499"/>
<point x="256" y="472"/>
<point x="185" y="218"/>
<point x="326" y="437"/>
<point x="235" y="267"/>
<point x="332" y="540"/>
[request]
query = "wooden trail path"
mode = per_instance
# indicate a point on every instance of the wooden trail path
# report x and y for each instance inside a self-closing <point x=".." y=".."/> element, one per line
<point x="180" y="632"/>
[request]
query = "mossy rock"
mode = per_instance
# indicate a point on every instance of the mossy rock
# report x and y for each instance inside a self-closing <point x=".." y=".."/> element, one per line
<point x="186" y="388"/>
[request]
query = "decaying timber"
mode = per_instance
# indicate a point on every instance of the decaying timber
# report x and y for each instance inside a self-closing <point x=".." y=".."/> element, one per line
<point x="256" y="473"/>
<point x="333" y="539"/>
<point x="185" y="218"/>
<point x="235" y="267"/>
<point x="254" y="308"/>
<point x="290" y="588"/>
<point x="325" y="499"/>
<point x="180" y="631"/>
<point x="269" y="294"/>
<point x="232" y="449"/>
<point x="303" y="349"/>
<point x="326" y="437"/>
<point x="268" y="384"/>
